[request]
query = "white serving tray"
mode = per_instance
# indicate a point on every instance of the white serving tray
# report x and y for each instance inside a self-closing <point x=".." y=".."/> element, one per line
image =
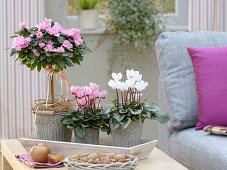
<point x="68" y="148"/>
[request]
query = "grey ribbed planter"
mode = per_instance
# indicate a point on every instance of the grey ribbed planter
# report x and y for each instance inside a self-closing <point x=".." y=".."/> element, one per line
<point x="50" y="128"/>
<point x="128" y="137"/>
<point x="91" y="137"/>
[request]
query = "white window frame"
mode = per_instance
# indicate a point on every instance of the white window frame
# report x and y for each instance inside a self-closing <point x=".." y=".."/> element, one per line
<point x="175" y="22"/>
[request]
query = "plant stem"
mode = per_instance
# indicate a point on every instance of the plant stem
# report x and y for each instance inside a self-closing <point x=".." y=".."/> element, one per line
<point x="117" y="97"/>
<point x="52" y="88"/>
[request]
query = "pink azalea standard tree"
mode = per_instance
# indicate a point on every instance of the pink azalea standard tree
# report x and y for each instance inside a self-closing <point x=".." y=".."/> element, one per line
<point x="50" y="47"/>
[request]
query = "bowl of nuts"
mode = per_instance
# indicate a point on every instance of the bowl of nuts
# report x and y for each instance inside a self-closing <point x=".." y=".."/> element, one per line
<point x="103" y="161"/>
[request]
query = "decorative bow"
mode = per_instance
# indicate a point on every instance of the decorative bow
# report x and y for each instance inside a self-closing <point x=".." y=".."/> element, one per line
<point x="62" y="76"/>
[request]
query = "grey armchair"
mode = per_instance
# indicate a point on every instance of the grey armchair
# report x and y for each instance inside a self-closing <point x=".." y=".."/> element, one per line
<point x="197" y="150"/>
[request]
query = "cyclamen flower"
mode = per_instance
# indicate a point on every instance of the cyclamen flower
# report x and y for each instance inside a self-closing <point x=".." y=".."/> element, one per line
<point x="94" y="87"/>
<point x="22" y="25"/>
<point x="95" y="94"/>
<point x="103" y="94"/>
<point x="41" y="45"/>
<point x="39" y="34"/>
<point x="82" y="102"/>
<point x="67" y="44"/>
<point x="140" y="86"/>
<point x="112" y="84"/>
<point x="117" y="76"/>
<point x="20" y="42"/>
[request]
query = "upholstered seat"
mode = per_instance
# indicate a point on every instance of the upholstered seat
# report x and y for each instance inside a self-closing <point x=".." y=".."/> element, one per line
<point x="197" y="150"/>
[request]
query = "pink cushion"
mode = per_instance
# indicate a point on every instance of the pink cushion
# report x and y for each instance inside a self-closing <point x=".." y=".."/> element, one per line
<point x="210" y="68"/>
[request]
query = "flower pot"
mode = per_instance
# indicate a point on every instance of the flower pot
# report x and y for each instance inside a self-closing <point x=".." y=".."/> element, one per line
<point x="128" y="137"/>
<point x="91" y="136"/>
<point x="50" y="128"/>
<point x="88" y="19"/>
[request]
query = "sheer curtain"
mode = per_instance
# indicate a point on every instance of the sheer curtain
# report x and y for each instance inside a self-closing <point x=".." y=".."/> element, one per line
<point x="207" y="15"/>
<point x="18" y="85"/>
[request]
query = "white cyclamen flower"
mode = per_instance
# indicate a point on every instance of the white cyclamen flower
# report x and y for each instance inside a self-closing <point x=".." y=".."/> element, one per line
<point x="141" y="85"/>
<point x="117" y="76"/>
<point x="130" y="83"/>
<point x="129" y="73"/>
<point x="133" y="75"/>
<point x="112" y="84"/>
<point x="123" y="86"/>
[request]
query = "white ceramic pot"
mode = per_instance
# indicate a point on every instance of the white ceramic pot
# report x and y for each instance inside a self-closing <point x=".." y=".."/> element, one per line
<point x="89" y="19"/>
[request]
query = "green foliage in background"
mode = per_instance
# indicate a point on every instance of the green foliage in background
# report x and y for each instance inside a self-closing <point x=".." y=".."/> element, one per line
<point x="88" y="4"/>
<point x="136" y="22"/>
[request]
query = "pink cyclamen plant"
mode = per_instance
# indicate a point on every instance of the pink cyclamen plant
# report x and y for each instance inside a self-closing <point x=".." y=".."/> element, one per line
<point x="88" y="96"/>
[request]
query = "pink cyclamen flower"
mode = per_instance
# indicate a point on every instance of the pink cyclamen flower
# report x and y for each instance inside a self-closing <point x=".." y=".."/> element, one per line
<point x="41" y="44"/>
<point x="72" y="89"/>
<point x="103" y="94"/>
<point x="20" y="42"/>
<point x="39" y="34"/>
<point x="48" y="48"/>
<point x="96" y="94"/>
<point x="59" y="50"/>
<point x="87" y="91"/>
<point x="80" y="93"/>
<point x="31" y="35"/>
<point x="67" y="44"/>
<point x="94" y="86"/>
<point x="82" y="102"/>
<point x="22" y="25"/>
<point x="36" y="53"/>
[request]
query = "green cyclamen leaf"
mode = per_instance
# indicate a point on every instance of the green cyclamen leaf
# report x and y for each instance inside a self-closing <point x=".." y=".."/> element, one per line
<point x="135" y="112"/>
<point x="118" y="116"/>
<point x="126" y="122"/>
<point x="162" y="118"/>
<point x="67" y="121"/>
<point x="151" y="108"/>
<point x="80" y="131"/>
<point x="114" y="124"/>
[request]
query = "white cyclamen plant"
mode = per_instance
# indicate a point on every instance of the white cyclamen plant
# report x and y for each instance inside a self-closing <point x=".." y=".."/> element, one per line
<point x="128" y="106"/>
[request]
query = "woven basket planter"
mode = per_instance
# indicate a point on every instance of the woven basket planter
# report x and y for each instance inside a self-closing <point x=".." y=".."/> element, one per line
<point x="50" y="128"/>
<point x="72" y="165"/>
<point x="131" y="136"/>
<point x="91" y="137"/>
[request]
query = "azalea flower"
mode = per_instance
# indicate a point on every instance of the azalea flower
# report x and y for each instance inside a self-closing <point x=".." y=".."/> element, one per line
<point x="22" y="25"/>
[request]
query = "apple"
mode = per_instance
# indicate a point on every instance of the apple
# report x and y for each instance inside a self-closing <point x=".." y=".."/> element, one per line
<point x="39" y="153"/>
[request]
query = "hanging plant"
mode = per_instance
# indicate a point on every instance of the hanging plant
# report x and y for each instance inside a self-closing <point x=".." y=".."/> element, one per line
<point x="136" y="22"/>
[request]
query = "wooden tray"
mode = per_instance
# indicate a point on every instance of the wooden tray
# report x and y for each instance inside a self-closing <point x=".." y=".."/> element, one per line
<point x="68" y="148"/>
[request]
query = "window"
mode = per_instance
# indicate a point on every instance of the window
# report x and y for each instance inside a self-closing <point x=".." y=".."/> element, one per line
<point x="167" y="6"/>
<point x="65" y="12"/>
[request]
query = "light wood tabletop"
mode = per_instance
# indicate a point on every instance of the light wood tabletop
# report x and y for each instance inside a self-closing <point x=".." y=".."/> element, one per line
<point x="157" y="160"/>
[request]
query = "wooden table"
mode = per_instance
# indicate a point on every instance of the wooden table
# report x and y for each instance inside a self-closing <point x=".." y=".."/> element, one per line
<point x="156" y="161"/>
